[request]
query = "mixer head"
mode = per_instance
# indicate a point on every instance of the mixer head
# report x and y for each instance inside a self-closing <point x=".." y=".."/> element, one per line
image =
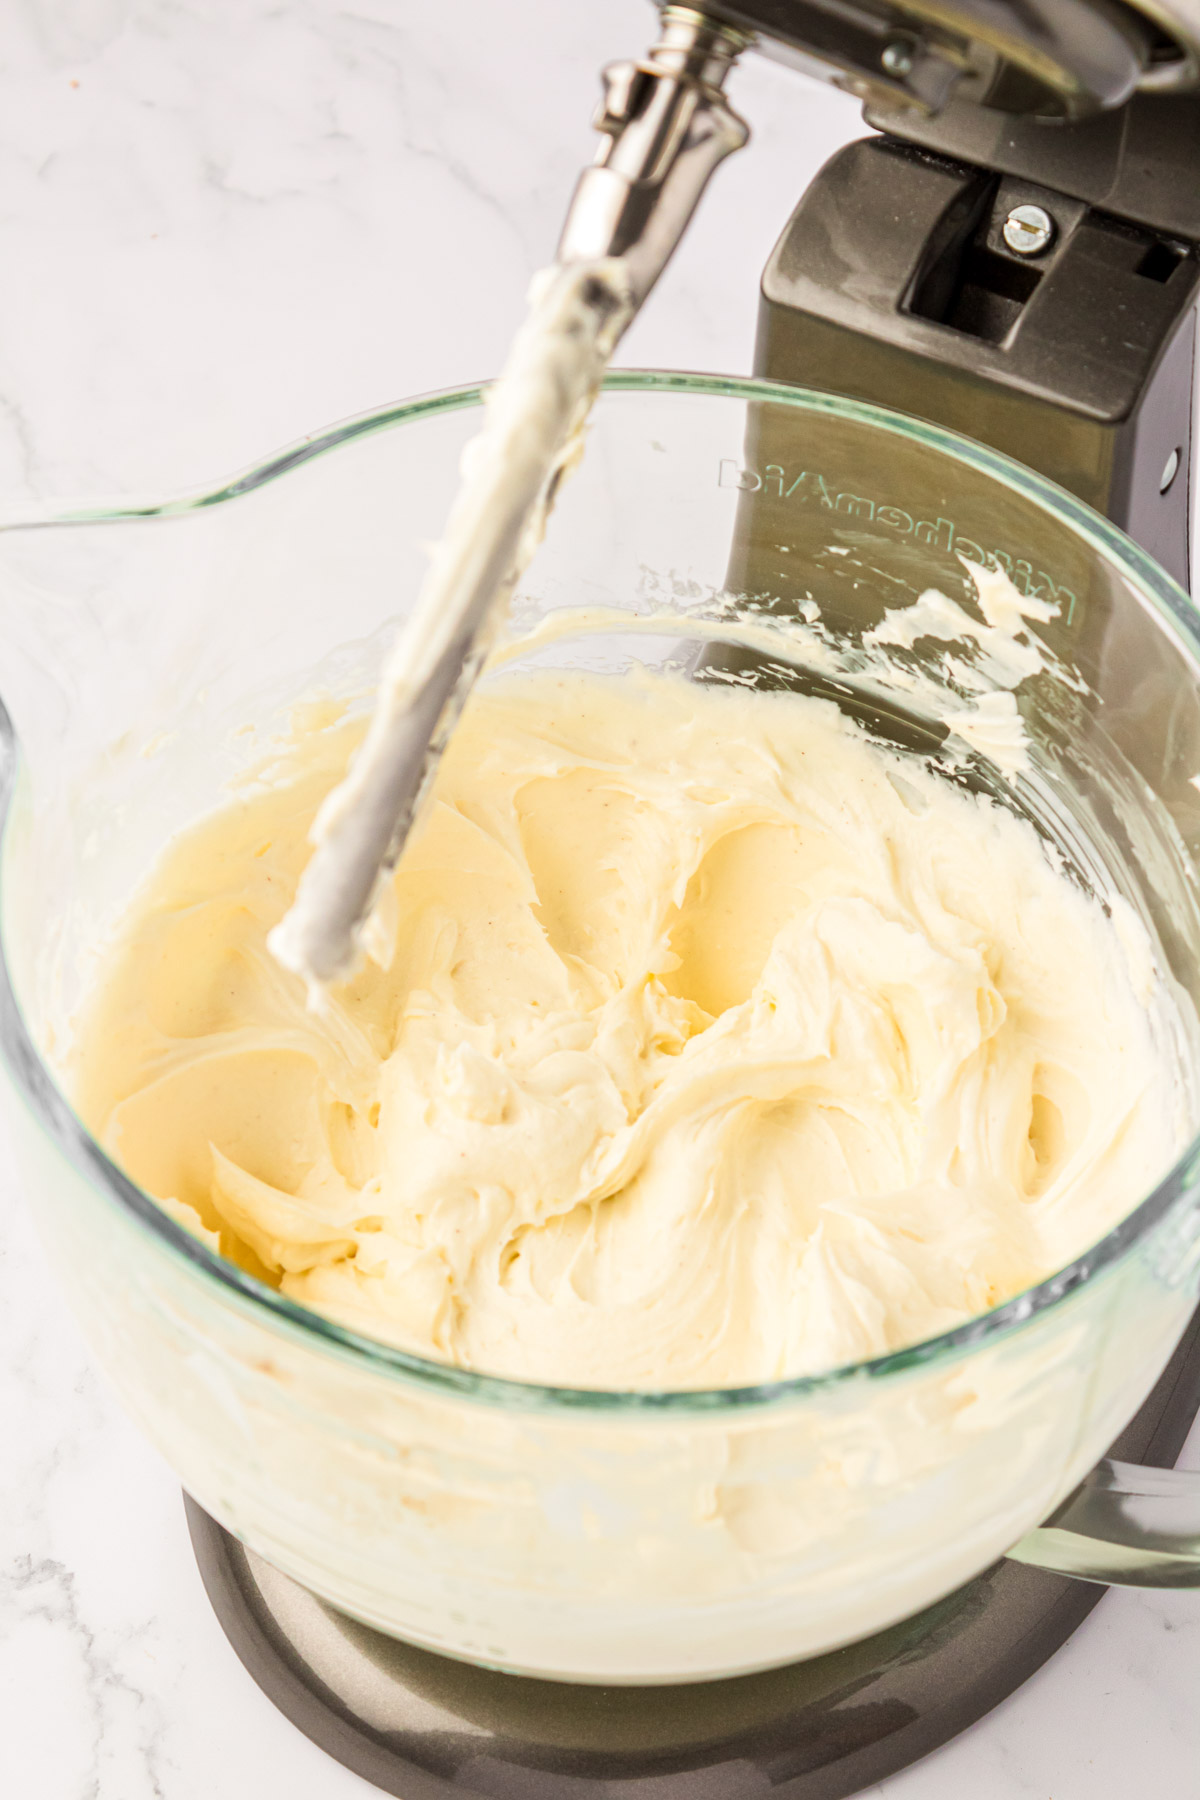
<point x="1049" y="58"/>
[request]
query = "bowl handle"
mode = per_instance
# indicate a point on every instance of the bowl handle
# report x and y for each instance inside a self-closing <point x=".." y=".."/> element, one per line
<point x="1126" y="1526"/>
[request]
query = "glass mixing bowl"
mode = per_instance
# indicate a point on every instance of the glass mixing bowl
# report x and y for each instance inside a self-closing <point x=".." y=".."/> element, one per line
<point x="151" y="650"/>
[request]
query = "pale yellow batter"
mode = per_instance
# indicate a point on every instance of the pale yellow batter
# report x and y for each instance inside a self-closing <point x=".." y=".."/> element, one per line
<point x="715" y="1044"/>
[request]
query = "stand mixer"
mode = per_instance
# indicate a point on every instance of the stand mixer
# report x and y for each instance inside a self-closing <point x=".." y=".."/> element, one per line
<point x="1013" y="258"/>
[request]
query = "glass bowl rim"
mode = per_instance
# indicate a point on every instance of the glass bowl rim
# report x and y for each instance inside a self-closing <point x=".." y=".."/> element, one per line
<point x="266" y="1305"/>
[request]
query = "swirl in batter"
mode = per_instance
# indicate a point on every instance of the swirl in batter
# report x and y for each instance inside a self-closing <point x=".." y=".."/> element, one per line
<point x="709" y="1043"/>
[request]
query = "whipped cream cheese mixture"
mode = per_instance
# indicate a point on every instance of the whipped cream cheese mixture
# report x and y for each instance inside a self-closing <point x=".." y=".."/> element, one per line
<point x="706" y="1042"/>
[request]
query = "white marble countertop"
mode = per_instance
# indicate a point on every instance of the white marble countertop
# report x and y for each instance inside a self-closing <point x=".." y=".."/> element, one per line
<point x="223" y="225"/>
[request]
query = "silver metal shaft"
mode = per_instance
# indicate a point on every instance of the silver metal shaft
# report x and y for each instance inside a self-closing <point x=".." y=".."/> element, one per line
<point x="667" y="126"/>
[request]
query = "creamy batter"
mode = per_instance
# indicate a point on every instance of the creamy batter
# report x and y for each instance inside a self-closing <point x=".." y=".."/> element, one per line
<point x="706" y="1042"/>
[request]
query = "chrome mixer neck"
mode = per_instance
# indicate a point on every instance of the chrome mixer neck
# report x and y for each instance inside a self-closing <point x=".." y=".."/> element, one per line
<point x="1044" y="58"/>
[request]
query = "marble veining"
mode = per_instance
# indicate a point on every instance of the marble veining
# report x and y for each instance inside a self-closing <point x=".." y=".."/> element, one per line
<point x="223" y="225"/>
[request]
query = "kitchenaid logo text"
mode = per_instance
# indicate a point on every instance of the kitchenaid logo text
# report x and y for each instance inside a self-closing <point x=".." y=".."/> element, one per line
<point x="810" y="487"/>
